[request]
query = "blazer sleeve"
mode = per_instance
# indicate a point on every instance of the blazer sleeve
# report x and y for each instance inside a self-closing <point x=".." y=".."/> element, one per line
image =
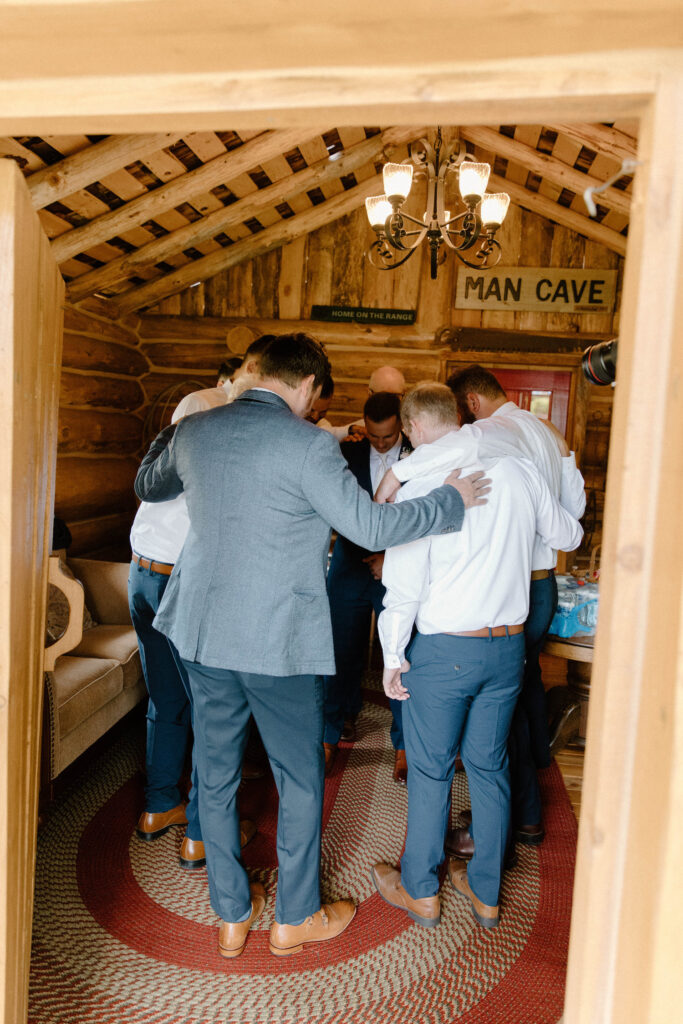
<point x="157" y="478"/>
<point x="334" y="493"/>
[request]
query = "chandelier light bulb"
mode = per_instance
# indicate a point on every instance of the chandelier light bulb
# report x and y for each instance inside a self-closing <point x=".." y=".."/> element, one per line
<point x="493" y="208"/>
<point x="473" y="180"/>
<point x="378" y="208"/>
<point x="397" y="180"/>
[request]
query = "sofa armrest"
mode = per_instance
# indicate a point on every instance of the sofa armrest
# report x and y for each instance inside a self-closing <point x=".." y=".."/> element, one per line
<point x="106" y="589"/>
<point x="72" y="635"/>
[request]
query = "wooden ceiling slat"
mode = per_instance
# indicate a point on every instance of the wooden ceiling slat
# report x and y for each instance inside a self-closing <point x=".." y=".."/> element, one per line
<point x="264" y="241"/>
<point x="528" y="134"/>
<point x="205" y="203"/>
<point x="85" y="204"/>
<point x="548" y="167"/>
<point x="566" y="149"/>
<point x="123" y="184"/>
<point x="314" y="150"/>
<point x="53" y="226"/>
<point x="601" y="138"/>
<point x="291" y="189"/>
<point x="277" y="168"/>
<point x="89" y="165"/>
<point x="554" y="212"/>
<point x="242" y="186"/>
<point x="25" y="158"/>
<point x="164" y="166"/>
<point x="351" y="136"/>
<point x="171" y="220"/>
<point x="205" y="145"/>
<point x="172" y="194"/>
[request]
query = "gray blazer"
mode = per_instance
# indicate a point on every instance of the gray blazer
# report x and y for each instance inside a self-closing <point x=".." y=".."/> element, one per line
<point x="263" y="488"/>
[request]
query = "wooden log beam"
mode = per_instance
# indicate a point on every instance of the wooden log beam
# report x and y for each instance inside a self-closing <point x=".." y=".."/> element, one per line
<point x="92" y="430"/>
<point x="163" y="329"/>
<point x="222" y="220"/>
<point x="215" y="172"/>
<point x="94" y="485"/>
<point x="247" y="249"/>
<point x="546" y="166"/>
<point x="560" y="214"/>
<point x="601" y="138"/>
<point x="64" y="178"/>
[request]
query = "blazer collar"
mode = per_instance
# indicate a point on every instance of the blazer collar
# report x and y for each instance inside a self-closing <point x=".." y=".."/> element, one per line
<point x="261" y="395"/>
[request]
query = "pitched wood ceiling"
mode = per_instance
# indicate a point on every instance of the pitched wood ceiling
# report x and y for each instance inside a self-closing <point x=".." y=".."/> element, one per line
<point x="136" y="218"/>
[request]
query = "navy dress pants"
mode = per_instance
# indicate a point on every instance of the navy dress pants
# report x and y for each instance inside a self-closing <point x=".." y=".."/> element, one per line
<point x="169" y="709"/>
<point x="463" y="692"/>
<point x="353" y="597"/>
<point x="529" y="736"/>
<point x="288" y="714"/>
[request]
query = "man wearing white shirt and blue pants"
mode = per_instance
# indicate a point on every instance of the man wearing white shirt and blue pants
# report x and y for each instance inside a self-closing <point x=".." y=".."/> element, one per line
<point x="469" y="597"/>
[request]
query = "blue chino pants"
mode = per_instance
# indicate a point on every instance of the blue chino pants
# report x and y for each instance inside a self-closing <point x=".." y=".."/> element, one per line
<point x="169" y="709"/>
<point x="288" y="713"/>
<point x="463" y="692"/>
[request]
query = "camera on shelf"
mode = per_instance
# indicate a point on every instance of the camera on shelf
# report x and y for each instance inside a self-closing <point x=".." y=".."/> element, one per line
<point x="599" y="362"/>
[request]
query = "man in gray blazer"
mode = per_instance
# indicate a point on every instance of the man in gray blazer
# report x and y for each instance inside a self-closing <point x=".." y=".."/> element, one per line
<point x="247" y="609"/>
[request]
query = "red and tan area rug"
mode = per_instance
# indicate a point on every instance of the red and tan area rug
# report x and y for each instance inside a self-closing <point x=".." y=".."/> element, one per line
<point x="122" y="935"/>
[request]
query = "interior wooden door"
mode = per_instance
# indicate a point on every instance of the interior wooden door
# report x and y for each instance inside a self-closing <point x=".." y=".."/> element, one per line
<point x="31" y="295"/>
<point x="543" y="392"/>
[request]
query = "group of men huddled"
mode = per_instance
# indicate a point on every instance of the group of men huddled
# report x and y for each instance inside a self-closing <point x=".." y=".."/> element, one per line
<point x="238" y="618"/>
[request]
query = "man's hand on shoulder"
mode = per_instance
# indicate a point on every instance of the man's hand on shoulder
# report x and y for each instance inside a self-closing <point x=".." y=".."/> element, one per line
<point x="391" y="680"/>
<point x="472" y="489"/>
<point x="375" y="562"/>
<point x="388" y="488"/>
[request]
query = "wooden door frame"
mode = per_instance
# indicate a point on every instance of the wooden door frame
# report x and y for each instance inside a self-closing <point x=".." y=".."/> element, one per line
<point x="628" y="901"/>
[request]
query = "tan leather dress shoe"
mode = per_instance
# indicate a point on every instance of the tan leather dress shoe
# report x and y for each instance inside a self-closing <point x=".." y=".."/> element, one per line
<point x="232" y="937"/>
<point x="485" y="915"/>
<point x="425" y="911"/>
<point x="330" y="757"/>
<point x="329" y="922"/>
<point x="192" y="855"/>
<point x="153" y="825"/>
<point x="400" y="768"/>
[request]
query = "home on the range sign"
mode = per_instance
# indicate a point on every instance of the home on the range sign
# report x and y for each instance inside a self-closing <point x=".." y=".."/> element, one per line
<point x="555" y="290"/>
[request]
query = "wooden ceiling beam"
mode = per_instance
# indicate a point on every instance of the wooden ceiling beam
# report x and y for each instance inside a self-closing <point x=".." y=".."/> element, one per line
<point x="601" y="138"/>
<point x="546" y="166"/>
<point x="247" y="249"/>
<point x="216" y="172"/>
<point x="88" y="165"/>
<point x="528" y="200"/>
<point x="250" y="206"/>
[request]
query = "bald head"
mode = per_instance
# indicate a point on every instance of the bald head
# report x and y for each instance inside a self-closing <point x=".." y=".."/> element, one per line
<point x="388" y="379"/>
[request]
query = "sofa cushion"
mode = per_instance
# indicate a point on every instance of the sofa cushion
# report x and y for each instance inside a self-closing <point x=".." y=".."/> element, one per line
<point x="82" y="685"/>
<point x="117" y="642"/>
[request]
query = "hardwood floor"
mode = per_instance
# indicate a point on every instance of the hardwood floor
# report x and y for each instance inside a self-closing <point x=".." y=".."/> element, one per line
<point x="570" y="763"/>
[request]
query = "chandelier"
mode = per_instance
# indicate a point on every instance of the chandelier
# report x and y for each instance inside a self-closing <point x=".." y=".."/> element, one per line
<point x="472" y="231"/>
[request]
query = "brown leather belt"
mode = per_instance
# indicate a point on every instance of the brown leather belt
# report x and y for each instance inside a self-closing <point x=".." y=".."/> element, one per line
<point x="541" y="574"/>
<point x="146" y="563"/>
<point x="491" y="631"/>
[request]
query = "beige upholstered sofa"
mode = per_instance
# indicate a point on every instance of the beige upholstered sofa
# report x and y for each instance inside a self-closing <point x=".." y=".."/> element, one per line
<point x="92" y="677"/>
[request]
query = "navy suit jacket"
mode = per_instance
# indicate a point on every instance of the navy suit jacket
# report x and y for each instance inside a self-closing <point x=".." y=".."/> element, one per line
<point x="347" y="557"/>
<point x="263" y="488"/>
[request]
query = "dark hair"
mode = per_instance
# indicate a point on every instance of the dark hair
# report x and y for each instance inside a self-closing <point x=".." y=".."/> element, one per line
<point x="291" y="357"/>
<point x="475" y="379"/>
<point x="382" y="406"/>
<point x="226" y="369"/>
<point x="258" y="346"/>
<point x="327" y="388"/>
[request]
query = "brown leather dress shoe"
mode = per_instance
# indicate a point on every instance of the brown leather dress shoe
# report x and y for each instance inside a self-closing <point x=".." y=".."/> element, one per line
<point x="530" y="835"/>
<point x="348" y="734"/>
<point x="400" y="768"/>
<point x="329" y="922"/>
<point x="153" y="825"/>
<point x="251" y="770"/>
<point x="330" y="757"/>
<point x="485" y="915"/>
<point x="459" y="843"/>
<point x="425" y="911"/>
<point x="192" y="855"/>
<point x="232" y="937"/>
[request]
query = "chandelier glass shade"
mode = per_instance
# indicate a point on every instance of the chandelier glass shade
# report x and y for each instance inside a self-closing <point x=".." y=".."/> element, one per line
<point x="471" y="231"/>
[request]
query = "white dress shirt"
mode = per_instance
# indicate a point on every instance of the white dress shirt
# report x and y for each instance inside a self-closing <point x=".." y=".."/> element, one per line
<point x="478" y="577"/>
<point x="160" y="528"/>
<point x="381" y="462"/>
<point x="516" y="432"/>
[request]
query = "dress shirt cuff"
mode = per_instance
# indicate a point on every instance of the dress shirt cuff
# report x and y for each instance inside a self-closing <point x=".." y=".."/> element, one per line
<point x="392" y="661"/>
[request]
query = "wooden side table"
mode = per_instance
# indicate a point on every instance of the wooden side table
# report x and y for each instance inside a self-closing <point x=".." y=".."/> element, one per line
<point x="578" y="652"/>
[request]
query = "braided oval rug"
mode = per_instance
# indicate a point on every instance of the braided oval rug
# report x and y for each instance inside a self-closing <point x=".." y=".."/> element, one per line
<point x="123" y="935"/>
